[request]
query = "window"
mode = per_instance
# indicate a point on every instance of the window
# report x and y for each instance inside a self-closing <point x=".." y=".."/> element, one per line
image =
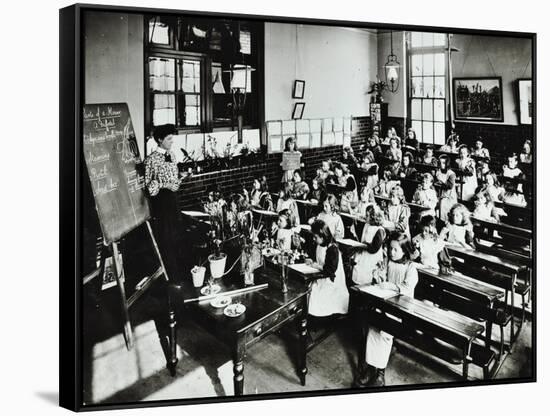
<point x="427" y="86"/>
<point x="188" y="68"/>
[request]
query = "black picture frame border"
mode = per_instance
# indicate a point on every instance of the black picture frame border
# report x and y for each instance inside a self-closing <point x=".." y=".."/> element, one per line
<point x="298" y="107"/>
<point x="70" y="200"/>
<point x="296" y="83"/>
<point x="518" y="89"/>
<point x="478" y="119"/>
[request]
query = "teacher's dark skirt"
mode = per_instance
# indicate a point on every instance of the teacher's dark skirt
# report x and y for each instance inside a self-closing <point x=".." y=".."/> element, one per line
<point x="167" y="229"/>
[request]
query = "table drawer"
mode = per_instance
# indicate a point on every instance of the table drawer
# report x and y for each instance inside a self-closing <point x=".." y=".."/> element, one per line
<point x="269" y="323"/>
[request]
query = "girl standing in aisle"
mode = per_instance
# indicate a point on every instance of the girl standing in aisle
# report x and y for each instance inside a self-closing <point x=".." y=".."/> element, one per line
<point x="446" y="179"/>
<point x="467" y="166"/>
<point x="290" y="146"/>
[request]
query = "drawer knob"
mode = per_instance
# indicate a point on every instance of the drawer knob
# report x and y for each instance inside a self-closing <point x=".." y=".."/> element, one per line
<point x="258" y="331"/>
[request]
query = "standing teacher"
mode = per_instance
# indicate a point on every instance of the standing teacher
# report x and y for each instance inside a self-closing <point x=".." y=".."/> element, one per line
<point x="162" y="181"/>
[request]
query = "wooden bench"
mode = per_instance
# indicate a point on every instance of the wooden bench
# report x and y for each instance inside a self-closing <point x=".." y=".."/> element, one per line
<point x="466" y="296"/>
<point x="495" y="271"/>
<point x="444" y="334"/>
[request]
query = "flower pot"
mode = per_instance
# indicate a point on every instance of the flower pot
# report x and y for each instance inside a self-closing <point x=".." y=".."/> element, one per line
<point x="217" y="265"/>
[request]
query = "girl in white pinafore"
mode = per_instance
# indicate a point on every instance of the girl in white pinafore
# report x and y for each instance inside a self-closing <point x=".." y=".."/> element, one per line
<point x="402" y="278"/>
<point x="329" y="294"/>
<point x="467" y="166"/>
<point x="370" y="259"/>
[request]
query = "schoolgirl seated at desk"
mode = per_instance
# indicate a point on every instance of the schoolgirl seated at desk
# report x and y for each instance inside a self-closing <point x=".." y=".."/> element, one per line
<point x="407" y="170"/>
<point x="318" y="191"/>
<point x="329" y="293"/>
<point x="479" y="150"/>
<point x="300" y="189"/>
<point x="411" y="141"/>
<point x="397" y="212"/>
<point x="400" y="275"/>
<point x="428" y="158"/>
<point x="394" y="152"/>
<point x="459" y="229"/>
<point x="259" y="195"/>
<point x="346" y="180"/>
<point x="373" y="146"/>
<point x="286" y="201"/>
<point x="325" y="172"/>
<point x="329" y="215"/>
<point x="426" y="195"/>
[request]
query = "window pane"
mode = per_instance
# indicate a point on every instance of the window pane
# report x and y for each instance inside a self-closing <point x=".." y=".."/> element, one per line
<point x="416" y="65"/>
<point x="427" y="39"/>
<point x="439" y="87"/>
<point x="192" y="116"/>
<point x="439" y="133"/>
<point x="439" y="110"/>
<point x="428" y="87"/>
<point x="416" y="39"/>
<point x="417" y="126"/>
<point x="161" y="74"/>
<point x="416" y="109"/>
<point x="439" y="64"/>
<point x="192" y="99"/>
<point x="427" y="109"/>
<point x="189" y="76"/>
<point x="427" y="131"/>
<point x="440" y="39"/>
<point x="158" y="32"/>
<point x="428" y="63"/>
<point x="417" y="87"/>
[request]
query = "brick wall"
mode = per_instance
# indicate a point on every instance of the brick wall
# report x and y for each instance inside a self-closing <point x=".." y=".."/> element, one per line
<point x="499" y="138"/>
<point x="232" y="180"/>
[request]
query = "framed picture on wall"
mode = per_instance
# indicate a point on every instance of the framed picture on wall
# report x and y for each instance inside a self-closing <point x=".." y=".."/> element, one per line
<point x="299" y="87"/>
<point x="478" y="98"/>
<point x="298" y="111"/>
<point x="525" y="98"/>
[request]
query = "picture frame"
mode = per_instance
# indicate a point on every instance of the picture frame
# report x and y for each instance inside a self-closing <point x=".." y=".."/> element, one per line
<point x="298" y="90"/>
<point x="298" y="111"/>
<point x="525" y="101"/>
<point x="78" y="235"/>
<point x="478" y="99"/>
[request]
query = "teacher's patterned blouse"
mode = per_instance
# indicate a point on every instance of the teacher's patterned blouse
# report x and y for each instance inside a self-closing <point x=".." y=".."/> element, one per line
<point x="159" y="173"/>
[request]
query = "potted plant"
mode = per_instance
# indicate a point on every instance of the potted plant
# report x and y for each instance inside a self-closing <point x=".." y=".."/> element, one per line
<point x="378" y="88"/>
<point x="217" y="260"/>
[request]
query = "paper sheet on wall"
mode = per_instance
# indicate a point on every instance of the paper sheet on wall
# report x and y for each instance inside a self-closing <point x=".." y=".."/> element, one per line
<point x="315" y="125"/>
<point x="289" y="128"/>
<point x="315" y="140"/>
<point x="338" y="124"/>
<point x="327" y="124"/>
<point x="303" y="141"/>
<point x="339" y="138"/>
<point x="274" y="127"/>
<point x="328" y="138"/>
<point x="302" y="126"/>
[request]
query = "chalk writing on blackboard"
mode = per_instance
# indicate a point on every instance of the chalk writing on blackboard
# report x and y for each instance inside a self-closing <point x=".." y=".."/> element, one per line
<point x="114" y="168"/>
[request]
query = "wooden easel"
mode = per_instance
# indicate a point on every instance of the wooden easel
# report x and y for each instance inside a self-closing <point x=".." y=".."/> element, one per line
<point x="143" y="285"/>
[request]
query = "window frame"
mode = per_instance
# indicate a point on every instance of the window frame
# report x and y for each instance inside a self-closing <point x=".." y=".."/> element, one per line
<point x="172" y="51"/>
<point x="421" y="51"/>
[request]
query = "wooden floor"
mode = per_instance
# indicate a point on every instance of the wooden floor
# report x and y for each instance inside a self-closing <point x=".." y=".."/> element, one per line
<point x="114" y="375"/>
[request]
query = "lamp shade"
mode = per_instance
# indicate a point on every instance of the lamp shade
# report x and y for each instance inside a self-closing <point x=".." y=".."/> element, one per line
<point x="392" y="69"/>
<point x="241" y="78"/>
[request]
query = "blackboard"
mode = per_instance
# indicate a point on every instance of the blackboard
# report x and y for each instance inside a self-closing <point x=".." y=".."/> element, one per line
<point x="113" y="164"/>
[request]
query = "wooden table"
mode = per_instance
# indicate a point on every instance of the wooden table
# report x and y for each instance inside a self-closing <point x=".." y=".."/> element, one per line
<point x="414" y="207"/>
<point x="267" y="310"/>
<point x="413" y="315"/>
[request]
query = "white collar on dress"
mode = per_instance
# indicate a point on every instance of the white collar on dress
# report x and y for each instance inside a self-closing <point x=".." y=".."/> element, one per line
<point x="160" y="150"/>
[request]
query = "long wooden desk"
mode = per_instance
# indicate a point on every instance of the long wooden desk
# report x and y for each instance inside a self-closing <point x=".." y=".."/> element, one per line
<point x="506" y="275"/>
<point x="401" y="316"/>
<point x="267" y="310"/>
